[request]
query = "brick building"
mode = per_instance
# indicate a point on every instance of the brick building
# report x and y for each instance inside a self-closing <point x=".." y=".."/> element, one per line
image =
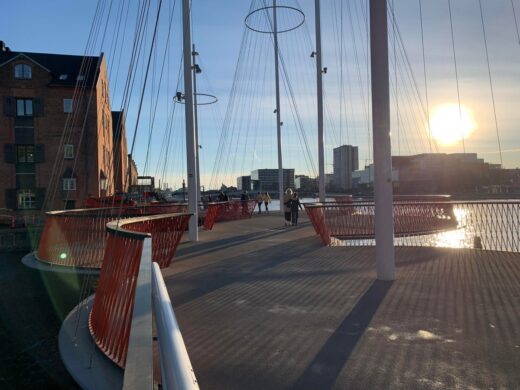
<point x="57" y="138"/>
<point x="121" y="158"/>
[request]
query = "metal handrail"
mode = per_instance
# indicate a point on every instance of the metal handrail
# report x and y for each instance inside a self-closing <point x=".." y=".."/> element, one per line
<point x="176" y="370"/>
<point x="152" y="297"/>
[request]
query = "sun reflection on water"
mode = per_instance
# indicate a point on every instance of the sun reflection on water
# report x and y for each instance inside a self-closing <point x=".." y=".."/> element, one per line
<point x="457" y="238"/>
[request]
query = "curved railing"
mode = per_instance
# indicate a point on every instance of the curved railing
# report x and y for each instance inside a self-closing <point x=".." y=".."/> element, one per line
<point x="77" y="238"/>
<point x="111" y="315"/>
<point x="228" y="211"/>
<point x="487" y="225"/>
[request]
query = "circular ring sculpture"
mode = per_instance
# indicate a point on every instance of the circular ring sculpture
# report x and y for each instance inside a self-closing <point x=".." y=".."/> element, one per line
<point x="248" y="25"/>
<point x="212" y="99"/>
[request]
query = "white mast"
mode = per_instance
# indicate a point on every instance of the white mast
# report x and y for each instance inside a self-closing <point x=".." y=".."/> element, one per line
<point x="278" y="115"/>
<point x="319" y="78"/>
<point x="385" y="256"/>
<point x="196" y="70"/>
<point x="190" y="130"/>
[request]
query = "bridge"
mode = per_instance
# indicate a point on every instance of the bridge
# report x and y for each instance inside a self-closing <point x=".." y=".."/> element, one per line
<point x="262" y="306"/>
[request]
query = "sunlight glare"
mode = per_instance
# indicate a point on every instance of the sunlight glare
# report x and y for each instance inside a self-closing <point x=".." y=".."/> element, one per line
<point x="448" y="124"/>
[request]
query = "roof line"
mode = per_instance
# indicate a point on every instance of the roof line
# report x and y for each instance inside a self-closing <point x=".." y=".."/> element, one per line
<point x="26" y="56"/>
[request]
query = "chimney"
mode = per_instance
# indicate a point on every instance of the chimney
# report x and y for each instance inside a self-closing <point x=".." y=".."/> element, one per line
<point x="3" y="47"/>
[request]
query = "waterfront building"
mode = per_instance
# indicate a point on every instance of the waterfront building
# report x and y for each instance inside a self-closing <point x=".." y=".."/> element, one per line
<point x="57" y="137"/>
<point x="267" y="179"/>
<point x="120" y="152"/>
<point x="306" y="183"/>
<point x="363" y="179"/>
<point x="346" y="161"/>
<point x="244" y="183"/>
<point x="436" y="173"/>
<point x="443" y="173"/>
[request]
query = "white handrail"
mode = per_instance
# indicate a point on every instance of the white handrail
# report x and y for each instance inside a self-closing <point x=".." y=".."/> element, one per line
<point x="176" y="370"/>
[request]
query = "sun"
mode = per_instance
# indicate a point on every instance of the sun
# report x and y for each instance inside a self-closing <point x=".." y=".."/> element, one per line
<point x="450" y="124"/>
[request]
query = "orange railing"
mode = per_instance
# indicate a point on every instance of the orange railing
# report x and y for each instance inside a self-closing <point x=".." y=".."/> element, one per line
<point x="488" y="225"/>
<point x="228" y="211"/>
<point x="111" y="315"/>
<point x="77" y="238"/>
<point x="356" y="221"/>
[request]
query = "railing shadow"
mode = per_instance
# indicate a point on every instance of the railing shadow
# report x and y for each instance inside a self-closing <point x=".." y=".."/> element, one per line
<point x="324" y="369"/>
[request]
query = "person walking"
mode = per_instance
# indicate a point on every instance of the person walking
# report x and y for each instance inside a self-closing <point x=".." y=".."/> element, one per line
<point x="259" y="201"/>
<point x="287" y="206"/>
<point x="295" y="206"/>
<point x="267" y="199"/>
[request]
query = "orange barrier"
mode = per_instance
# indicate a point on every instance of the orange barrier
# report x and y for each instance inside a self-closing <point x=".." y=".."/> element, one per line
<point x="356" y="221"/>
<point x="487" y="225"/>
<point x="343" y="198"/>
<point x="111" y="315"/>
<point x="76" y="238"/>
<point x="228" y="211"/>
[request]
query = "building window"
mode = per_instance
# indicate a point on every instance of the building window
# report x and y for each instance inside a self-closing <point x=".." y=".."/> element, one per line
<point x="24" y="107"/>
<point x="80" y="77"/>
<point x="67" y="105"/>
<point x="25" y="153"/>
<point x="69" y="184"/>
<point x="68" y="151"/>
<point x="22" y="72"/>
<point x="63" y="77"/>
<point x="26" y="199"/>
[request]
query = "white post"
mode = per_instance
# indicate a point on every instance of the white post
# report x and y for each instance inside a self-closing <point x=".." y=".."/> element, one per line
<point x="190" y="130"/>
<point x="319" y="78"/>
<point x="196" y="116"/>
<point x="278" y="114"/>
<point x="385" y="256"/>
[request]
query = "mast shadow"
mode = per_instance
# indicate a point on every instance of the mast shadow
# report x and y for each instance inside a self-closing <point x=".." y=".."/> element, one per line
<point x="324" y="369"/>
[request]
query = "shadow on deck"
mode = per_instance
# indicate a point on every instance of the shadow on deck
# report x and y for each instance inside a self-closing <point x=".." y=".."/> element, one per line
<point x="262" y="307"/>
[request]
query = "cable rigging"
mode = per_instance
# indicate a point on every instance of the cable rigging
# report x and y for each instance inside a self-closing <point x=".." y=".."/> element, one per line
<point x="490" y="81"/>
<point x="456" y="76"/>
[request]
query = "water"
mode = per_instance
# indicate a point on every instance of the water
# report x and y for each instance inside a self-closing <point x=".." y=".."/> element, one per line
<point x="32" y="307"/>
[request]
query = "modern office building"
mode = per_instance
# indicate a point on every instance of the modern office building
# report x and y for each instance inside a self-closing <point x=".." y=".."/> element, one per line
<point x="244" y="183"/>
<point x="440" y="173"/>
<point x="345" y="162"/>
<point x="57" y="137"/>
<point x="267" y="179"/>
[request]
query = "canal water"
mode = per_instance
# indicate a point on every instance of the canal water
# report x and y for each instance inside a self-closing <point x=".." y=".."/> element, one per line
<point x="33" y="305"/>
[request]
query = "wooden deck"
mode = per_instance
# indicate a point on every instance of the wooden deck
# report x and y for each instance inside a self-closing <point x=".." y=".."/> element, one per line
<point x="263" y="307"/>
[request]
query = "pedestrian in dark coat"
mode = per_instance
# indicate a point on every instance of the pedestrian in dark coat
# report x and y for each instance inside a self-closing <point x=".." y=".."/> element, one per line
<point x="295" y="206"/>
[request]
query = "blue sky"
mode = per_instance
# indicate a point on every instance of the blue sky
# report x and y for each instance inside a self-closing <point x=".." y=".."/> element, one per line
<point x="248" y="130"/>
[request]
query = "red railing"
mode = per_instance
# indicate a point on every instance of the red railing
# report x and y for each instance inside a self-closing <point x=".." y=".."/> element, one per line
<point x="111" y="315"/>
<point x="76" y="238"/>
<point x="356" y="221"/>
<point x="492" y="225"/>
<point x="228" y="211"/>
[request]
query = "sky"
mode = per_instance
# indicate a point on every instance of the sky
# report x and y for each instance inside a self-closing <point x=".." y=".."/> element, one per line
<point x="238" y="133"/>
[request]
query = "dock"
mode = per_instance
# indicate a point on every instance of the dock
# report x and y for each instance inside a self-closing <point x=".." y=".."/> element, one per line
<point x="261" y="306"/>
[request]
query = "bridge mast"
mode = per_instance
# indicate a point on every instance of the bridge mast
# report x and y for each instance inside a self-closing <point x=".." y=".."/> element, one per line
<point x="319" y="78"/>
<point x="278" y="114"/>
<point x="385" y="256"/>
<point x="191" y="153"/>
